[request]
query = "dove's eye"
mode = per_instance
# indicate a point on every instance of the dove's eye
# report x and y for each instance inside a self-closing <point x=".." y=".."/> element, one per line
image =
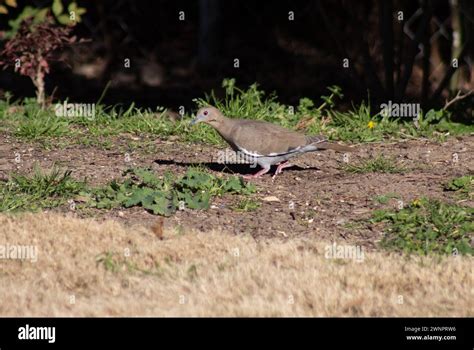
<point x="206" y="112"/>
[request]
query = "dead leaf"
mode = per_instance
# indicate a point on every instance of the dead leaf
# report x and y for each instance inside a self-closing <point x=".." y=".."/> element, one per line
<point x="270" y="199"/>
<point x="157" y="228"/>
<point x="11" y="3"/>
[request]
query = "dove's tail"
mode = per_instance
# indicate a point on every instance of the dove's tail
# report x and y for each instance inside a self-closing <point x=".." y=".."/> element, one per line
<point x="334" y="146"/>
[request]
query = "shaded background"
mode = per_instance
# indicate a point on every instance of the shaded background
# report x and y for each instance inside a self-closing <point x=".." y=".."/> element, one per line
<point x="173" y="60"/>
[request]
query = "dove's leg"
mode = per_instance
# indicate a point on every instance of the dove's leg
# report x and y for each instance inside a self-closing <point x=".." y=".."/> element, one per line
<point x="282" y="166"/>
<point x="258" y="174"/>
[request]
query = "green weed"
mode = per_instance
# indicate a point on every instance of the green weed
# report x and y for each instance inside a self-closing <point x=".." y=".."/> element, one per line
<point x="379" y="164"/>
<point x="163" y="196"/>
<point x="428" y="226"/>
<point x="246" y="205"/>
<point x="463" y="186"/>
<point x="385" y="198"/>
<point x="42" y="190"/>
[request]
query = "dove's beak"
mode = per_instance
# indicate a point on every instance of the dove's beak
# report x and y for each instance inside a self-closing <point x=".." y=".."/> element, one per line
<point x="196" y="120"/>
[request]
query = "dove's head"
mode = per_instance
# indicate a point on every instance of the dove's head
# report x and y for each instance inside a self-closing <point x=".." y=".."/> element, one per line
<point x="209" y="115"/>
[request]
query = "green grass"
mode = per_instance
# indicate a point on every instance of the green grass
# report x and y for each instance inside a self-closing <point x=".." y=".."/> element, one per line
<point x="360" y="124"/>
<point x="26" y="120"/>
<point x="41" y="190"/>
<point x="428" y="226"/>
<point x="463" y="186"/>
<point x="379" y="164"/>
<point x="36" y="128"/>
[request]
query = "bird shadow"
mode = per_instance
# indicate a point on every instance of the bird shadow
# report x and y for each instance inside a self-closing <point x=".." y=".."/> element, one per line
<point x="242" y="169"/>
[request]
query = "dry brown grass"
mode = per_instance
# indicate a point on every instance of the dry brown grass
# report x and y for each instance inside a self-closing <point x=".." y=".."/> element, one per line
<point x="213" y="274"/>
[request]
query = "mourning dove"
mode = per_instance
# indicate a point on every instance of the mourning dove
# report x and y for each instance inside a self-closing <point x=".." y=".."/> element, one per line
<point x="265" y="143"/>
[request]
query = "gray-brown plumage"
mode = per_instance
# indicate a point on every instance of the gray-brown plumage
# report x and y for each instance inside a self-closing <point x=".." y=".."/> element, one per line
<point x="265" y="143"/>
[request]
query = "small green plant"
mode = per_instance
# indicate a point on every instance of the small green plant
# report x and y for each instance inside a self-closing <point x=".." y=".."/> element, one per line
<point x="463" y="186"/>
<point x="379" y="164"/>
<point x="109" y="260"/>
<point x="42" y="190"/>
<point x="192" y="272"/>
<point x="385" y="198"/>
<point x="163" y="196"/>
<point x="116" y="262"/>
<point x="246" y="205"/>
<point x="428" y="226"/>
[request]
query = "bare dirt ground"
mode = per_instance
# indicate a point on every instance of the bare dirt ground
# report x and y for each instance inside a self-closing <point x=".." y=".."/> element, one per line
<point x="326" y="198"/>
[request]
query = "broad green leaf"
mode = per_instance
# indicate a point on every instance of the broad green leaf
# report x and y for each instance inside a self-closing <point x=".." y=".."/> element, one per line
<point x="64" y="19"/>
<point x="57" y="7"/>
<point x="137" y="197"/>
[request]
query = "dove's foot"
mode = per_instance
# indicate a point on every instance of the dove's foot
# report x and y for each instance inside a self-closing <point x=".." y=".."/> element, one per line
<point x="280" y="168"/>
<point x="258" y="174"/>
